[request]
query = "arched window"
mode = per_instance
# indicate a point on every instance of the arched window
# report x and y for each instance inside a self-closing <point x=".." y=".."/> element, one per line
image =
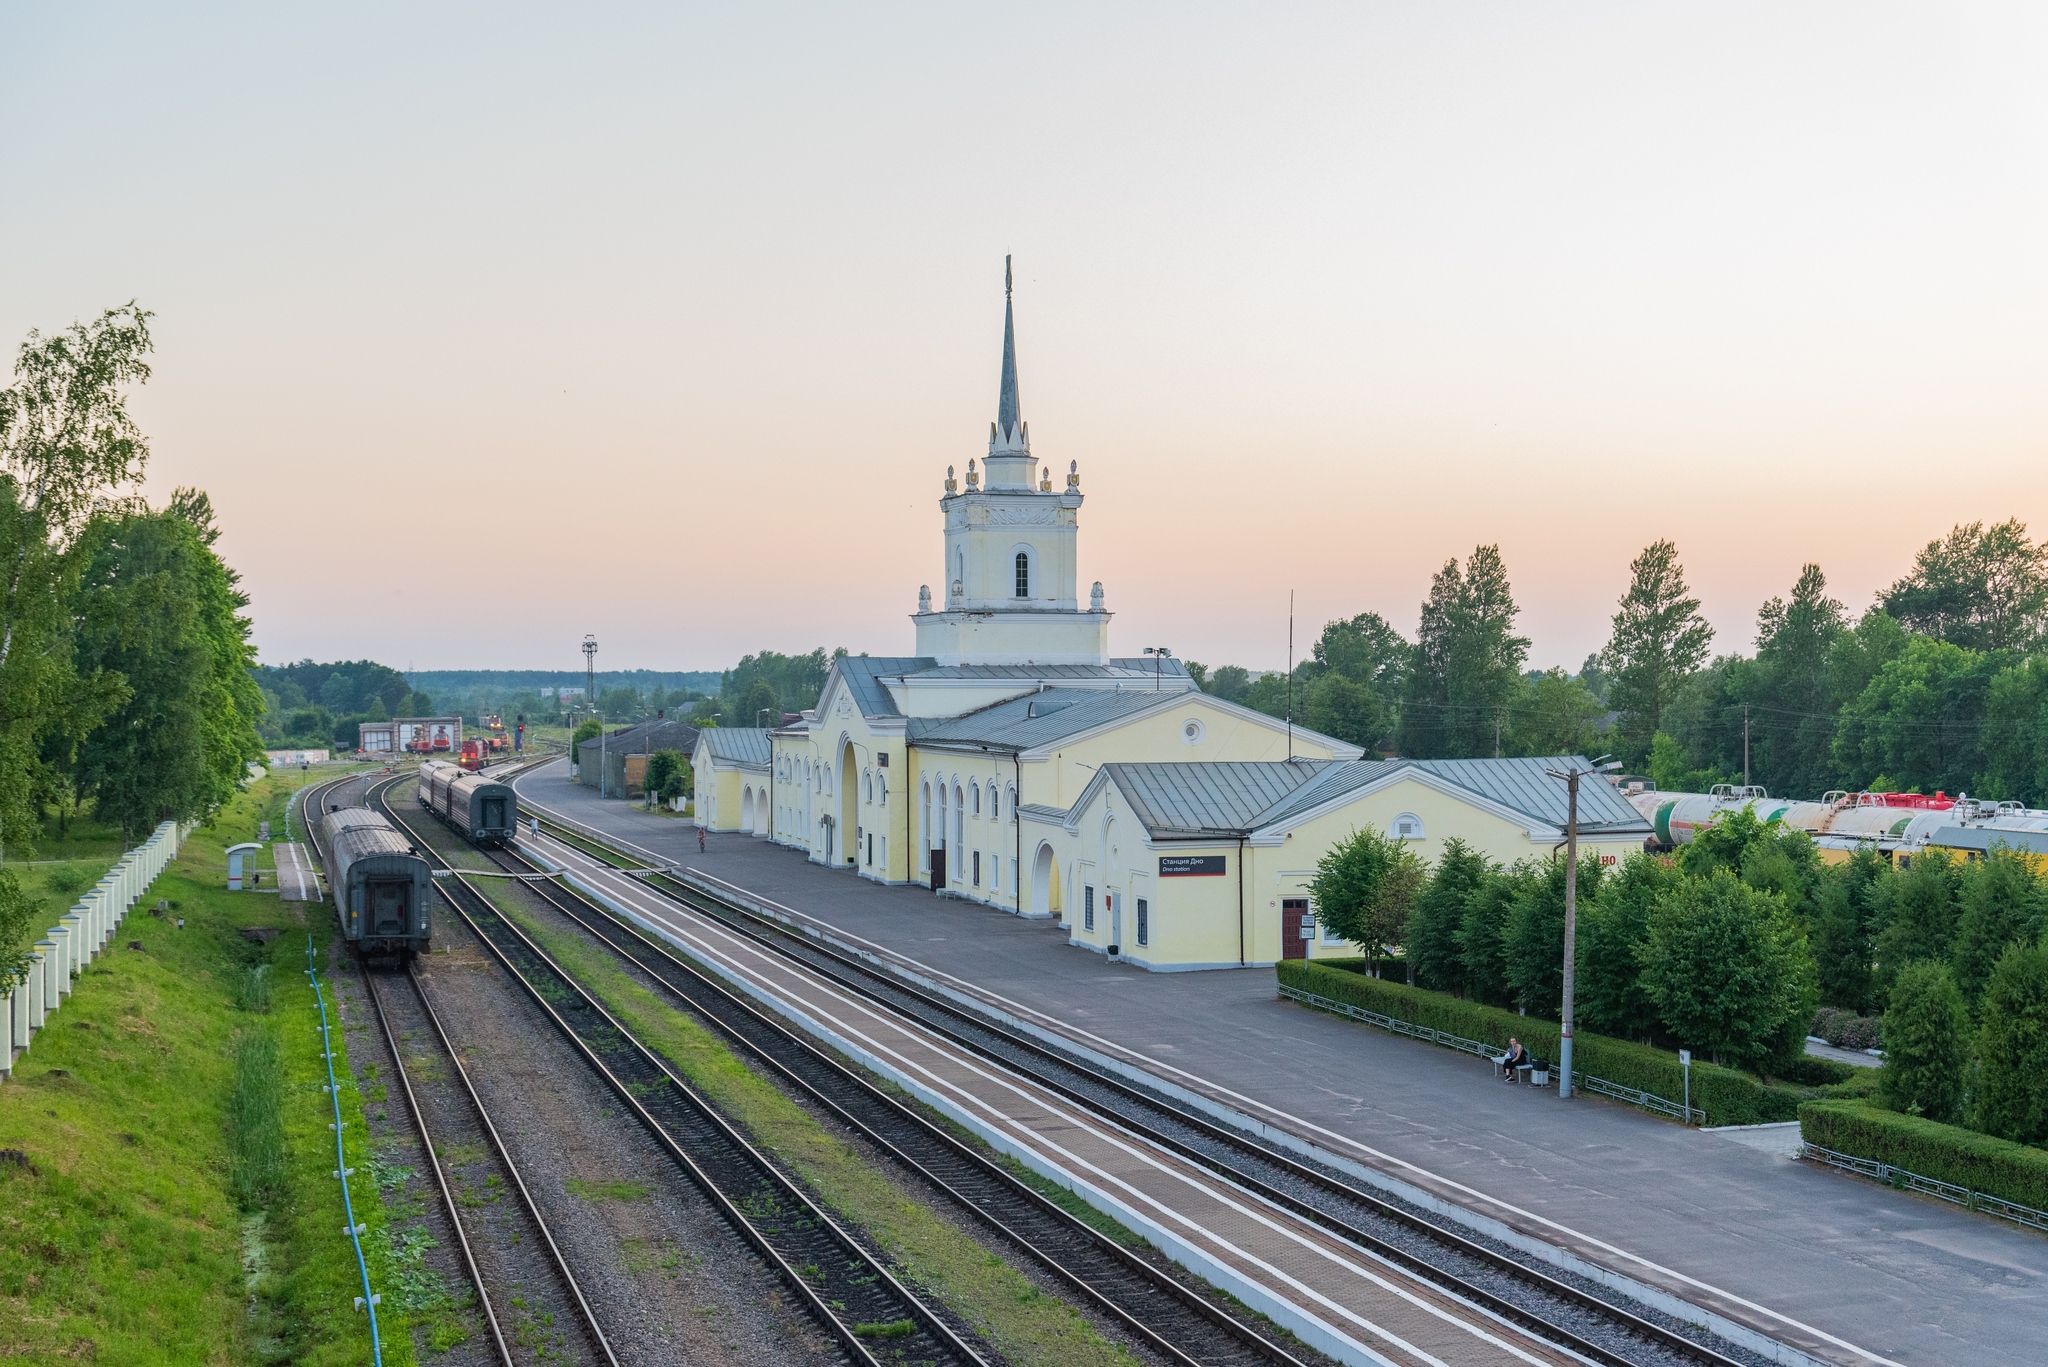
<point x="1023" y="575"/>
<point x="995" y="810"/>
<point x="882" y="789"/>
<point x="867" y="780"/>
<point x="976" y="790"/>
<point x="1408" y="826"/>
<point x="1010" y="801"/>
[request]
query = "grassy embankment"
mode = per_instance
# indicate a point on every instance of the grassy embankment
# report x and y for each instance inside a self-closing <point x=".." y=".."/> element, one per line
<point x="172" y="1198"/>
<point x="1024" y="1324"/>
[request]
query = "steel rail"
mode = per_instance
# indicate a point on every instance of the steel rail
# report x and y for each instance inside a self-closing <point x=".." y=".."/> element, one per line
<point x="938" y="1334"/>
<point x="856" y="974"/>
<point x="476" y="1276"/>
<point x="720" y="1004"/>
<point x="490" y="1129"/>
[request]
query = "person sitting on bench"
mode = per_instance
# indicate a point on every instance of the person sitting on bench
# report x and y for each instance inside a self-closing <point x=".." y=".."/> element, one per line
<point x="1516" y="1057"/>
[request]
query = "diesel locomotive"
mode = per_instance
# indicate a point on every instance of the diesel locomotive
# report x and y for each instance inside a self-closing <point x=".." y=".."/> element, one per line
<point x="383" y="892"/>
<point x="481" y="810"/>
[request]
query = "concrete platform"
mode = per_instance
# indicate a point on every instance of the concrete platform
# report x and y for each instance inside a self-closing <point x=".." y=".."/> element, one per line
<point x="1858" y="1272"/>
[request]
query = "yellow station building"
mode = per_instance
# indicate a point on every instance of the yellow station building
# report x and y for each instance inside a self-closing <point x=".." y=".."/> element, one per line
<point x="1012" y="760"/>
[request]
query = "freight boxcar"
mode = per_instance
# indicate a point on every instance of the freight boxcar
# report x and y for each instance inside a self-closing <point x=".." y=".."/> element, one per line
<point x="383" y="892"/>
<point x="480" y="809"/>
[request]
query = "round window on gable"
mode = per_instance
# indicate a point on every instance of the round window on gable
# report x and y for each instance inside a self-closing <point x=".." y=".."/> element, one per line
<point x="1192" y="731"/>
<point x="1407" y="826"/>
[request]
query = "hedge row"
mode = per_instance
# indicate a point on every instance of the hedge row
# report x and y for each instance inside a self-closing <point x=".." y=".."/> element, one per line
<point x="1727" y="1096"/>
<point x="1947" y="1153"/>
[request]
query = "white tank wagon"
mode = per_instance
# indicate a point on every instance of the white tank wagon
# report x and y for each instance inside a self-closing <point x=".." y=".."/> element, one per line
<point x="481" y="810"/>
<point x="1843" y="822"/>
<point x="383" y="891"/>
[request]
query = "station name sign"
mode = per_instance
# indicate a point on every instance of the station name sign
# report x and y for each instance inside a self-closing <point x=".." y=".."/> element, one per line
<point x="1191" y="865"/>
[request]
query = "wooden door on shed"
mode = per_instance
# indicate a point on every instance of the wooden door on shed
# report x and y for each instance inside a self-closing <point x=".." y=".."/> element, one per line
<point x="1296" y="927"/>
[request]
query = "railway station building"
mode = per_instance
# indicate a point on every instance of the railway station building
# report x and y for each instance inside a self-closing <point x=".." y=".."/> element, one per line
<point x="1012" y="760"/>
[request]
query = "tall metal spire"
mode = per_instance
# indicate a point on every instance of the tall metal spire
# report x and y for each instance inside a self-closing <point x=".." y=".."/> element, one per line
<point x="1006" y="404"/>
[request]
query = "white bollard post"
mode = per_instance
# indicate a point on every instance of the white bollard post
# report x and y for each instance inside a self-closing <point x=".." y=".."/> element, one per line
<point x="7" y="1042"/>
<point x="88" y="933"/>
<point x="62" y="961"/>
<point x="44" y="999"/>
<point x="17" y="1008"/>
<point x="107" y="894"/>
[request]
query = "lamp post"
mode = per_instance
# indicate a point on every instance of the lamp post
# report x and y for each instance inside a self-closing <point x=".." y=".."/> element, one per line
<point x="1159" y="654"/>
<point x="1571" y="779"/>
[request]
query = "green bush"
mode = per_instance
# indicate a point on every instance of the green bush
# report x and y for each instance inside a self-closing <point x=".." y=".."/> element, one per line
<point x="1926" y="1043"/>
<point x="1727" y="1096"/>
<point x="1947" y="1153"/>
<point x="1808" y="1071"/>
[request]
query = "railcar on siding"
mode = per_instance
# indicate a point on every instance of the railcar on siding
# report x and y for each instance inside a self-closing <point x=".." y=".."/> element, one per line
<point x="383" y="891"/>
<point x="481" y="810"/>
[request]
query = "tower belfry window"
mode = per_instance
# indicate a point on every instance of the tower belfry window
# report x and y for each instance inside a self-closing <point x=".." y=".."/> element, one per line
<point x="1023" y="575"/>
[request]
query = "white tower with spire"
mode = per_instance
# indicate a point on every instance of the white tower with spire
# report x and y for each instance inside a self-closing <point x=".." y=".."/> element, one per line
<point x="1008" y="591"/>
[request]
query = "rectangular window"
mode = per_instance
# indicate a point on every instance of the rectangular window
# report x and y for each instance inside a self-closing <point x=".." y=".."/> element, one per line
<point x="871" y="849"/>
<point x="1088" y="908"/>
<point x="1144" y="922"/>
<point x="977" y="868"/>
<point x="885" y="853"/>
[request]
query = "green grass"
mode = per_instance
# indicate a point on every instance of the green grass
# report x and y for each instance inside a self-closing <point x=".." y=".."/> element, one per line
<point x="159" y="1092"/>
<point x="1026" y="1326"/>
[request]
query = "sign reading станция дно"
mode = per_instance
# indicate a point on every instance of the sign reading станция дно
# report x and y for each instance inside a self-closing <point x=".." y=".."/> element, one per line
<point x="1191" y="865"/>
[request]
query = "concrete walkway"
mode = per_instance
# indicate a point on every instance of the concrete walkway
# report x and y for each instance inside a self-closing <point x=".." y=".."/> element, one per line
<point x="1866" y="1273"/>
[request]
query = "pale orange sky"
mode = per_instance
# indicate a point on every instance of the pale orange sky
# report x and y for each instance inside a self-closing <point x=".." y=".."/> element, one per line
<point x="487" y="328"/>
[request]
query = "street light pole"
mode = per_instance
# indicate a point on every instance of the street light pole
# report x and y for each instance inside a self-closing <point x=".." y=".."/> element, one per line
<point x="1571" y="779"/>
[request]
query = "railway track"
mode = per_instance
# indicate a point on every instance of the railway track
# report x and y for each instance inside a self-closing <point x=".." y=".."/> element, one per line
<point x="1178" y="1322"/>
<point x="851" y="1294"/>
<point x="463" y="1124"/>
<point x="510" y="1240"/>
<point x="1589" y="1326"/>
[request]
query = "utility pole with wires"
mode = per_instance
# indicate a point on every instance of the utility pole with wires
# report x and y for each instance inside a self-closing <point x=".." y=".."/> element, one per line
<point x="1571" y="779"/>
<point x="1745" y="745"/>
<point x="1496" y="732"/>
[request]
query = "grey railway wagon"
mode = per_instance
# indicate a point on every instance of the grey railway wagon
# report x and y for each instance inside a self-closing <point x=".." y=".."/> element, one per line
<point x="383" y="892"/>
<point x="482" y="810"/>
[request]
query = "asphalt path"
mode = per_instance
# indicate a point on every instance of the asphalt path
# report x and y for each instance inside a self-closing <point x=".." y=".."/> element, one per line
<point x="1854" y="1271"/>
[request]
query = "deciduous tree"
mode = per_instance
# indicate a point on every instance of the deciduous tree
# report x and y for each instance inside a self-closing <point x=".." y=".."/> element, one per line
<point x="1658" y="639"/>
<point x="1466" y="667"/>
<point x="1728" y="969"/>
<point x="1363" y="889"/>
<point x="1982" y="588"/>
<point x="2012" y="1100"/>
<point x="1926" y="1044"/>
<point x="1431" y="942"/>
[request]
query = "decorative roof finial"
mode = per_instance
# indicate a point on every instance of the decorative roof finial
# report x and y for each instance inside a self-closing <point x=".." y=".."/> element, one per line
<point x="952" y="485"/>
<point x="1074" y="475"/>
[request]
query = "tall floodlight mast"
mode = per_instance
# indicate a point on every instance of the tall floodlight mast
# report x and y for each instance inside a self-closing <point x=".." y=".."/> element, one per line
<point x="590" y="671"/>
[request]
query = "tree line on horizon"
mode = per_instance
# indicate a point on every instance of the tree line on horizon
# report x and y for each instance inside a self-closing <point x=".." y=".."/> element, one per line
<point x="1941" y="684"/>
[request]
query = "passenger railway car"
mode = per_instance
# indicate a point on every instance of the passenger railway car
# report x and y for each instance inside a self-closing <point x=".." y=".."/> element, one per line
<point x="481" y="809"/>
<point x="383" y="892"/>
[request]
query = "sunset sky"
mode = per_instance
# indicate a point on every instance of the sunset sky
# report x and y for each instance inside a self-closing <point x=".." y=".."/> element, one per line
<point x="486" y="327"/>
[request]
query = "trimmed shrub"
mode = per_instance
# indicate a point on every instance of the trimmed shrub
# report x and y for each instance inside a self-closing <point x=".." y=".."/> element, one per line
<point x="1808" y="1071"/>
<point x="1727" y="1096"/>
<point x="1947" y="1153"/>
<point x="1846" y="1029"/>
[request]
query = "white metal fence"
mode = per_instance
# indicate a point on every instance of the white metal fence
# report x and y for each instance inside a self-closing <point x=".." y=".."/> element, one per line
<point x="1928" y="1186"/>
<point x="79" y="937"/>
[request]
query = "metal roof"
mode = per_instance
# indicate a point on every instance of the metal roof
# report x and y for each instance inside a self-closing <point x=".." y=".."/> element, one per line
<point x="1987" y="838"/>
<point x="1193" y="798"/>
<point x="1190" y="797"/>
<point x="1118" y="669"/>
<point x="1034" y="719"/>
<point x="864" y="674"/>
<point x="739" y="744"/>
<point x="1526" y="786"/>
